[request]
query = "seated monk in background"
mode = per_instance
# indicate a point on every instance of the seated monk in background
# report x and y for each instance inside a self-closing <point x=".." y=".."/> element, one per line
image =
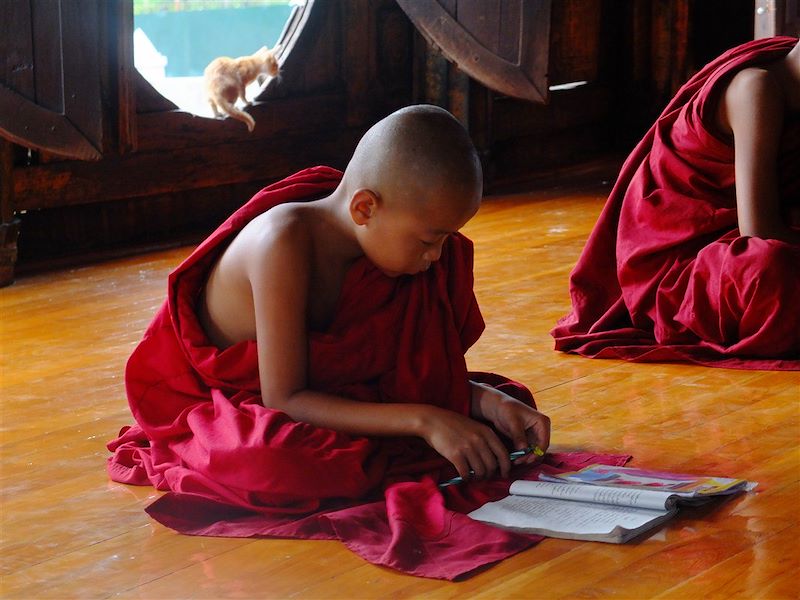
<point x="695" y="255"/>
<point x="313" y="346"/>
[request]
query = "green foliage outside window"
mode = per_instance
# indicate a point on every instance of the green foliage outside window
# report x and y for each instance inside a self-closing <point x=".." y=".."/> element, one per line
<point x="145" y="7"/>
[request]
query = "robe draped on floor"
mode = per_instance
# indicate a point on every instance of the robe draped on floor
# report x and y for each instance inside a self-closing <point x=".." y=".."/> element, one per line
<point x="232" y="467"/>
<point x="665" y="275"/>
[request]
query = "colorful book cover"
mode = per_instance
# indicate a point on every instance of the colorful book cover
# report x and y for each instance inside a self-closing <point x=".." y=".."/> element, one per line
<point x="679" y="483"/>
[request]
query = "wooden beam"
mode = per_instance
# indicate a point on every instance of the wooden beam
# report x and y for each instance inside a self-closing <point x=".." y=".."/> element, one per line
<point x="148" y="173"/>
<point x="275" y="118"/>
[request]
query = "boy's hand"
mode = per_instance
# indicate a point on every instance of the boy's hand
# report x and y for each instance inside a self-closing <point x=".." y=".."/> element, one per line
<point x="468" y="444"/>
<point x="525" y="426"/>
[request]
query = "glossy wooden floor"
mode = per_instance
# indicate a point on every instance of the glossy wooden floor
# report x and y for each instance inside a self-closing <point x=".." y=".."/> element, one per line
<point x="68" y="532"/>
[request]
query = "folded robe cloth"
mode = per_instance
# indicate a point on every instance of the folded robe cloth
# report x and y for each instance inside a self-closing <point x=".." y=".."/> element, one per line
<point x="665" y="275"/>
<point x="415" y="527"/>
<point x="233" y="467"/>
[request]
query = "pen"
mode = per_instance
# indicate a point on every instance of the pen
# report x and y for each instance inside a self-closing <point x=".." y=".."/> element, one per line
<point x="512" y="456"/>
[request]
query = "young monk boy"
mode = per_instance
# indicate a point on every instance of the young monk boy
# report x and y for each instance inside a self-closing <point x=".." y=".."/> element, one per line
<point x="695" y="256"/>
<point x="314" y="345"/>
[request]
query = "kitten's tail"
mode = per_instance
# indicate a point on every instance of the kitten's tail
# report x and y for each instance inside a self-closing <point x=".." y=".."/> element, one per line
<point x="237" y="113"/>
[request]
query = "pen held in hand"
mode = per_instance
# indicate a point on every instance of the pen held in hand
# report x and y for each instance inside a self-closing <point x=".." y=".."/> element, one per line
<point x="512" y="456"/>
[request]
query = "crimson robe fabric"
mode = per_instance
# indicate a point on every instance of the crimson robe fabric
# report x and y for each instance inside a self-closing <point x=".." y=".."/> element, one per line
<point x="413" y="527"/>
<point x="665" y="275"/>
<point x="233" y="467"/>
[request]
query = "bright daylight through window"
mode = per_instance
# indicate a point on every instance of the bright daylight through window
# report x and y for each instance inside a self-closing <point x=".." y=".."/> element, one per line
<point x="174" y="41"/>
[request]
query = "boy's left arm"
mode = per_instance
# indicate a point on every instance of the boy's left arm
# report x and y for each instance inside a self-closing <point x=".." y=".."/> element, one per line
<point x="522" y="424"/>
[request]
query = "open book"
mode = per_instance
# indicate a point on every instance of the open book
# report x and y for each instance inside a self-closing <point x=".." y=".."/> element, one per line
<point x="602" y="503"/>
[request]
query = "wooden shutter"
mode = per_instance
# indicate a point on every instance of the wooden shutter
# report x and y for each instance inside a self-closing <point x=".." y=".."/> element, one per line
<point x="504" y="44"/>
<point x="50" y="77"/>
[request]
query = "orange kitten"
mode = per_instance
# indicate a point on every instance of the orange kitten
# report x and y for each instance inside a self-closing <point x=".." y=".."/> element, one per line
<point x="226" y="79"/>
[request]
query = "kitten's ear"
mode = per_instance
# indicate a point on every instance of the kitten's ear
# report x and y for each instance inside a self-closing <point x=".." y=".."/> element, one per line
<point x="262" y="50"/>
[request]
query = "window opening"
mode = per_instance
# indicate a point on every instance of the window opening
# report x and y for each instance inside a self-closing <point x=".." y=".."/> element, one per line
<point x="174" y="41"/>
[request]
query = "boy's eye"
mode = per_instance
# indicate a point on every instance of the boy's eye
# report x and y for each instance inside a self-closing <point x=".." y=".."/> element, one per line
<point x="438" y="240"/>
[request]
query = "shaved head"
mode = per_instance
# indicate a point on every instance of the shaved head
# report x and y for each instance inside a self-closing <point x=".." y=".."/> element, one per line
<point x="416" y="154"/>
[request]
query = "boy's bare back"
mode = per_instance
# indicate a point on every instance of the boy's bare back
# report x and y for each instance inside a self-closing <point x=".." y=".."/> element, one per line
<point x="284" y="244"/>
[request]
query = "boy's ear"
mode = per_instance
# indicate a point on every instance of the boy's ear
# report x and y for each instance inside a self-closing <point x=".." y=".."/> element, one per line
<point x="363" y="204"/>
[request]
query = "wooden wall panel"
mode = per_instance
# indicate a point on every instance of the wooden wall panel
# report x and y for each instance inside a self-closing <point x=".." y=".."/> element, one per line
<point x="576" y="42"/>
<point x="49" y="90"/>
<point x="665" y="43"/>
<point x="16" y="48"/>
<point x="9" y="223"/>
<point x="393" y="34"/>
<point x="116" y="227"/>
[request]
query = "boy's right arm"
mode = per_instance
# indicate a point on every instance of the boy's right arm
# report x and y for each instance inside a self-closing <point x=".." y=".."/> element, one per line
<point x="279" y="276"/>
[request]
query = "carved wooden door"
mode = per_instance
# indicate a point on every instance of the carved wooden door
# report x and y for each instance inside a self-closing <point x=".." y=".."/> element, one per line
<point x="51" y="93"/>
<point x="504" y="44"/>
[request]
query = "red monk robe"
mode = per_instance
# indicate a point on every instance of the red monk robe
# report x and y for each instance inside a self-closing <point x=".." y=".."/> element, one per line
<point x="665" y="275"/>
<point x="236" y="468"/>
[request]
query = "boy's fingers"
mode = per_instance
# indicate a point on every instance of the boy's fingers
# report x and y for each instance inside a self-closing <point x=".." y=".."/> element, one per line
<point x="479" y="463"/>
<point x="500" y="453"/>
<point x="544" y="432"/>
<point x="495" y="454"/>
<point x="462" y="467"/>
<point x="521" y="440"/>
<point x="534" y="439"/>
<point x="525" y="437"/>
<point x="538" y="433"/>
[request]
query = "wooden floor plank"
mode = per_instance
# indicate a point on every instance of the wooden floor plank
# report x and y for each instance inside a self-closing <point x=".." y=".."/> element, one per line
<point x="68" y="532"/>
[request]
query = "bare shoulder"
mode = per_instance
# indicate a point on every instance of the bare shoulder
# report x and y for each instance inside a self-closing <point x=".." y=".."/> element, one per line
<point x="753" y="82"/>
<point x="279" y="235"/>
<point x="754" y="96"/>
<point x="267" y="260"/>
